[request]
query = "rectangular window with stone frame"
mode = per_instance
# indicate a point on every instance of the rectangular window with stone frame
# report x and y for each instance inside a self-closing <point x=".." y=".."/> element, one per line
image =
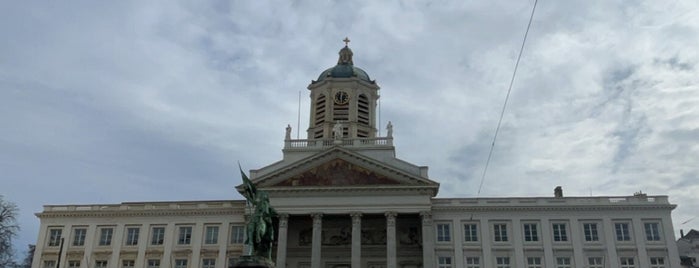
<point x="237" y="234"/>
<point x="622" y="231"/>
<point x="473" y="262"/>
<point x="502" y="262"/>
<point x="627" y="262"/>
<point x="211" y="236"/>
<point x="443" y="232"/>
<point x="657" y="262"/>
<point x="153" y="263"/>
<point x="531" y="233"/>
<point x="652" y="231"/>
<point x="180" y="263"/>
<point x="185" y="235"/>
<point x="560" y="233"/>
<point x="50" y="264"/>
<point x="444" y="262"/>
<point x="132" y="234"/>
<point x="208" y="263"/>
<point x="79" y="235"/>
<point x="595" y="262"/>
<point x="500" y="232"/>
<point x="157" y="235"/>
<point x="128" y="263"/>
<point x="534" y="262"/>
<point x="106" y="236"/>
<point x="590" y="232"/>
<point x="54" y="237"/>
<point x="470" y="232"/>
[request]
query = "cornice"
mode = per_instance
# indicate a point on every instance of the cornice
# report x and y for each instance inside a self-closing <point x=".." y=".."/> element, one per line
<point x="142" y="213"/>
<point x="428" y="189"/>
<point x="551" y="208"/>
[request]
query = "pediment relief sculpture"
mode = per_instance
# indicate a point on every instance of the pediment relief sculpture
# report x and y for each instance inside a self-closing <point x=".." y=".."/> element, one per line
<point x="338" y="172"/>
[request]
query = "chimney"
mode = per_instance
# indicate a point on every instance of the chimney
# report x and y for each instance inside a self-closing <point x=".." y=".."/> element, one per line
<point x="681" y="233"/>
<point x="558" y="192"/>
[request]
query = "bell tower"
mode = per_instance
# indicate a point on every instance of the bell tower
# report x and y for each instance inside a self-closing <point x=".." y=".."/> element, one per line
<point x="343" y="100"/>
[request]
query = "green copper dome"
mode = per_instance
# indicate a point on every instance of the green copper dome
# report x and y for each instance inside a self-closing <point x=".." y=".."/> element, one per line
<point x="344" y="68"/>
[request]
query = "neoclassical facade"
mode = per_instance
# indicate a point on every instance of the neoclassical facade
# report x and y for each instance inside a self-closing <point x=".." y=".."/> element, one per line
<point x="345" y="200"/>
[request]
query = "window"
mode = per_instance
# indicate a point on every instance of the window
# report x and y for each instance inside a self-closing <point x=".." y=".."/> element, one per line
<point x="106" y="236"/>
<point x="473" y="262"/>
<point x="443" y="233"/>
<point x="73" y="264"/>
<point x="158" y="236"/>
<point x="153" y="263"/>
<point x="132" y="236"/>
<point x="534" y="262"/>
<point x="237" y="234"/>
<point x="563" y="262"/>
<point x="208" y="263"/>
<point x="500" y="232"/>
<point x="530" y="232"/>
<point x="180" y="263"/>
<point x="622" y="232"/>
<point x="128" y="263"/>
<point x="595" y="262"/>
<point x="185" y="235"/>
<point x="50" y="264"/>
<point x="627" y="262"/>
<point x="444" y="262"/>
<point x="502" y="262"/>
<point x="590" y="231"/>
<point x="55" y="237"/>
<point x="211" y="235"/>
<point x="652" y="231"/>
<point x="470" y="233"/>
<point x="559" y="232"/>
<point x="657" y="262"/>
<point x="363" y="110"/>
<point x="79" y="236"/>
<point x="100" y="264"/>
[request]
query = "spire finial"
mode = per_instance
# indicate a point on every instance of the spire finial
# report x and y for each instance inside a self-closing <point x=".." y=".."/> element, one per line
<point x="346" y="40"/>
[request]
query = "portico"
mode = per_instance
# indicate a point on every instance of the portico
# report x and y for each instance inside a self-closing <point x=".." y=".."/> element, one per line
<point x="351" y="240"/>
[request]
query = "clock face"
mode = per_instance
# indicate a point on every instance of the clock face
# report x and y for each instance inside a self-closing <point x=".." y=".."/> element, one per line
<point x="341" y="97"/>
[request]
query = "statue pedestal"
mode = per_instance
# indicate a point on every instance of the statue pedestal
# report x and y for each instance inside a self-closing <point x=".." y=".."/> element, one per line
<point x="248" y="261"/>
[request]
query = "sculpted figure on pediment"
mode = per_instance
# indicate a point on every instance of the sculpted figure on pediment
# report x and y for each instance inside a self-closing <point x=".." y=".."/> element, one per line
<point x="338" y="172"/>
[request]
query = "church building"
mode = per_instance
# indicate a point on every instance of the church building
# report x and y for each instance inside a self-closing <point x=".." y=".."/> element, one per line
<point x="344" y="200"/>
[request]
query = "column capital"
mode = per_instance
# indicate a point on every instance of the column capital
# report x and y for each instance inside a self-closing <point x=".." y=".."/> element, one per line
<point x="317" y="219"/>
<point x="283" y="219"/>
<point x="356" y="217"/>
<point x="426" y="217"/>
<point x="391" y="218"/>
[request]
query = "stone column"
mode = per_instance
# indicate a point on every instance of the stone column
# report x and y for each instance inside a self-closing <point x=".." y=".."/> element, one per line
<point x="427" y="240"/>
<point x="391" y="239"/>
<point x="281" y="240"/>
<point x="315" y="247"/>
<point x="356" y="239"/>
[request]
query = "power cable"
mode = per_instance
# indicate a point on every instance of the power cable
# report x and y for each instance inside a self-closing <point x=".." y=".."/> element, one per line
<point x="502" y="113"/>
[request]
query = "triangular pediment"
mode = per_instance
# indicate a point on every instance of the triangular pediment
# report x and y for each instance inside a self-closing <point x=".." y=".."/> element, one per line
<point x="338" y="168"/>
<point x="338" y="172"/>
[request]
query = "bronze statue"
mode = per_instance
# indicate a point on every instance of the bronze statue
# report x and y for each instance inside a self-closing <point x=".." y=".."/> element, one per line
<point x="260" y="232"/>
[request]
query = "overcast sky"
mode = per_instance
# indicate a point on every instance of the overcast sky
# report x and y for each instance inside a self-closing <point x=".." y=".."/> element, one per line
<point x="105" y="102"/>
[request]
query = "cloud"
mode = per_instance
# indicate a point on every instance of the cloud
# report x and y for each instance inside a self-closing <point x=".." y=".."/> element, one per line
<point x="143" y="95"/>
